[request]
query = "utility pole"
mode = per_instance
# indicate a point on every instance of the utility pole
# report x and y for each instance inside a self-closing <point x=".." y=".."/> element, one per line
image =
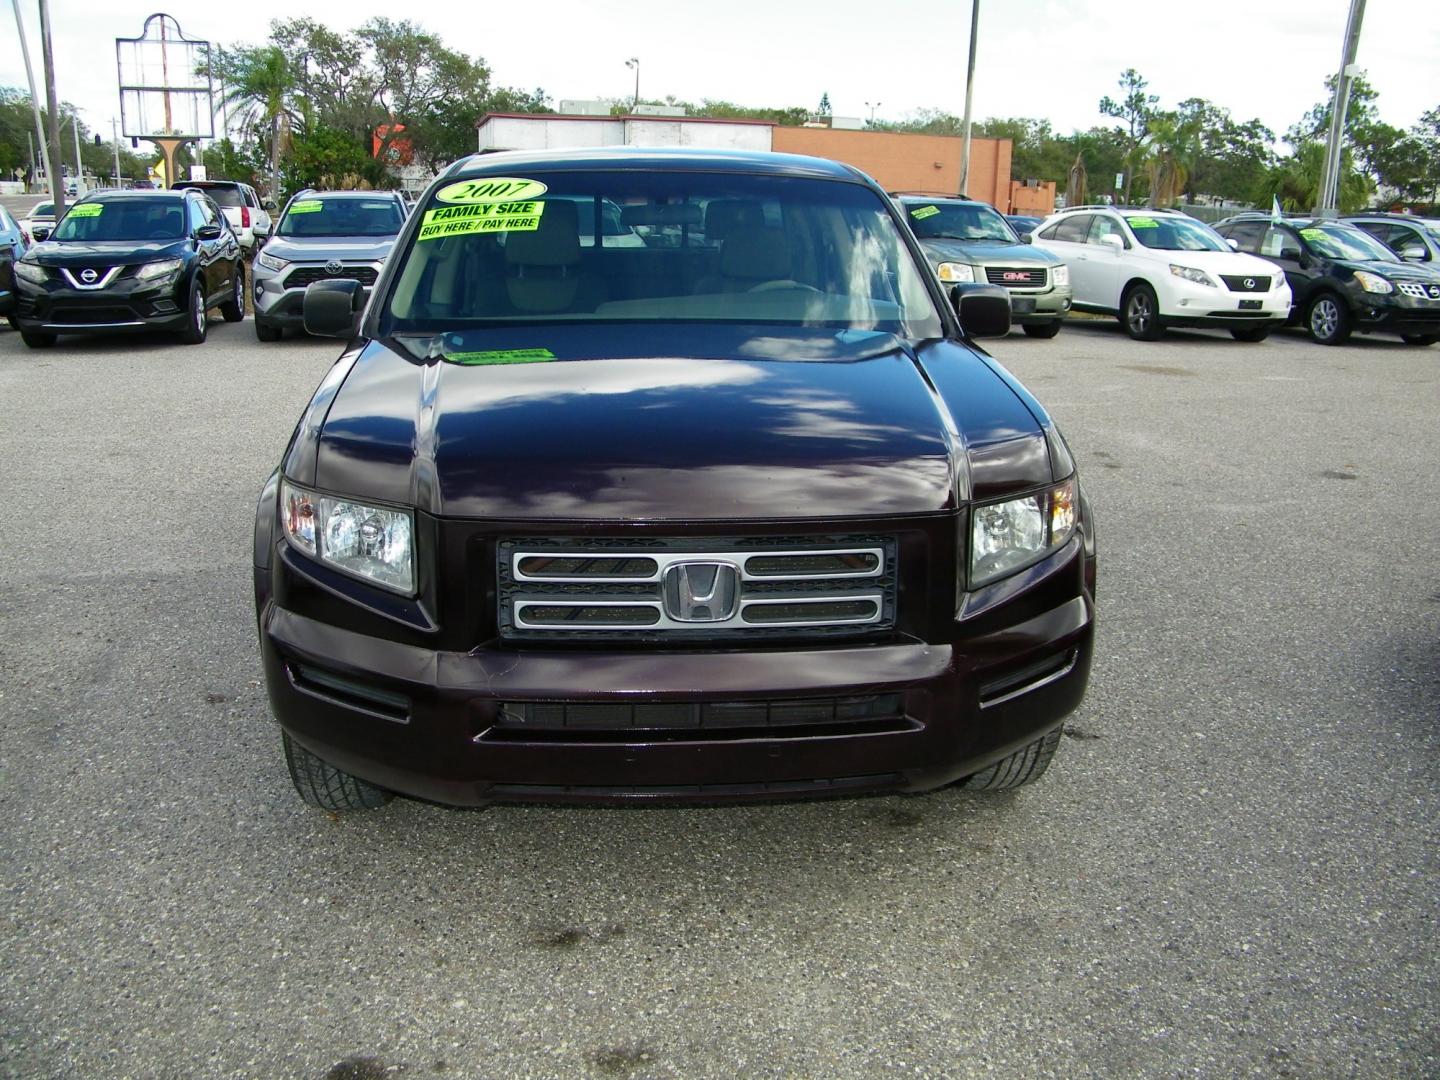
<point x="79" y="164"/>
<point x="57" y="185"/>
<point x="115" y="146"/>
<point x="634" y="62"/>
<point x="1328" y="202"/>
<point x="969" y="96"/>
<point x="34" y="96"/>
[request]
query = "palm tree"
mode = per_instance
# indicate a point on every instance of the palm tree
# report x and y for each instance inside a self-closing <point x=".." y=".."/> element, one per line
<point x="260" y="85"/>
<point x="1169" y="152"/>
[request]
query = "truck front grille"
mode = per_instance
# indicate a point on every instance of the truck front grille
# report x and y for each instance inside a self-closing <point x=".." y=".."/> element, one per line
<point x="1016" y="277"/>
<point x="707" y="589"/>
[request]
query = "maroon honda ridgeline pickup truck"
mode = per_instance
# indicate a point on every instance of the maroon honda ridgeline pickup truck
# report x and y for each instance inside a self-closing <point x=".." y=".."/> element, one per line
<point x="667" y="476"/>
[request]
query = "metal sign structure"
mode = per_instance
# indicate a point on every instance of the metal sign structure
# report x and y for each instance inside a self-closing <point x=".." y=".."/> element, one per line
<point x="166" y="90"/>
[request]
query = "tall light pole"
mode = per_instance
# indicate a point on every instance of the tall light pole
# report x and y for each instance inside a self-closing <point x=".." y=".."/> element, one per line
<point x="969" y="96"/>
<point x="872" y="108"/>
<point x="115" y="146"/>
<point x="34" y="97"/>
<point x="634" y="62"/>
<point x="1329" y="197"/>
<point x="57" y="187"/>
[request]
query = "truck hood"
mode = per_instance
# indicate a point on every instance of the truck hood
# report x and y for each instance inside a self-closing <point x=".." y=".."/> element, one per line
<point x="989" y="252"/>
<point x="748" y="424"/>
<point x="325" y="248"/>
<point x="111" y="252"/>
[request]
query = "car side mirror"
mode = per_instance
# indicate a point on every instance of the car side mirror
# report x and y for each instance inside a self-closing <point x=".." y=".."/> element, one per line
<point x="268" y="205"/>
<point x="1413" y="253"/>
<point x="1234" y="244"/>
<point x="209" y="232"/>
<point x="330" y="307"/>
<point x="1027" y="238"/>
<point x="984" y="310"/>
<point x="1113" y="242"/>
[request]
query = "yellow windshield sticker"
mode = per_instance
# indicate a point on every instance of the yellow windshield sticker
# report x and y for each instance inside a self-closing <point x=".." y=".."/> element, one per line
<point x="1144" y="223"/>
<point x="306" y="206"/>
<point x="1313" y="234"/>
<point x="921" y="213"/>
<point x="480" y="218"/>
<point x="500" y="356"/>
<point x="491" y="189"/>
<point x="89" y="209"/>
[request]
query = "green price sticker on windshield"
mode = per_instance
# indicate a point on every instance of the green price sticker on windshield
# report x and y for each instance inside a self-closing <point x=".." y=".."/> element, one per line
<point x="923" y="212"/>
<point x="1313" y="234"/>
<point x="466" y="218"/>
<point x="307" y="206"/>
<point x="491" y="189"/>
<point x="500" y="356"/>
<point x="89" y="209"/>
<point x="1144" y="223"/>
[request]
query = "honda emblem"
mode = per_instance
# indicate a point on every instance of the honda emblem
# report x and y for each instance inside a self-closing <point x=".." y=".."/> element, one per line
<point x="698" y="592"/>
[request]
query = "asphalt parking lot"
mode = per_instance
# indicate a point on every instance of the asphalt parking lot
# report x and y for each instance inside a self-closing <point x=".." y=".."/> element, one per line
<point x="1230" y="871"/>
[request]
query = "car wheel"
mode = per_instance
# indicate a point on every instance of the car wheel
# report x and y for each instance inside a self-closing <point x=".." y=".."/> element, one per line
<point x="1327" y="320"/>
<point x="265" y="332"/>
<point x="1025" y="766"/>
<point x="234" y="308"/>
<point x="324" y="786"/>
<point x="37" y="341"/>
<point x="1042" y="330"/>
<point x="197" y="324"/>
<point x="1251" y="333"/>
<point x="1420" y="339"/>
<point x="1140" y="314"/>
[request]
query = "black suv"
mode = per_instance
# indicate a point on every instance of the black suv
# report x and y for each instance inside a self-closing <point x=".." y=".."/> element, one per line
<point x="124" y="261"/>
<point x="1342" y="279"/>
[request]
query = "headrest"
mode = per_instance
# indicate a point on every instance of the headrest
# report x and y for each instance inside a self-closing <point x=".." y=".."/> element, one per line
<point x="755" y="253"/>
<point x="723" y="215"/>
<point x="555" y="243"/>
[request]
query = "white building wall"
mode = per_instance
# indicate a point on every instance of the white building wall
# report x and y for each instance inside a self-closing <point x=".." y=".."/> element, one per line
<point x="563" y="133"/>
<point x="668" y="133"/>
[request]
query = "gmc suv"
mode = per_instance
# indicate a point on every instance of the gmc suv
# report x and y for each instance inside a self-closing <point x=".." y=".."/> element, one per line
<point x="709" y="522"/>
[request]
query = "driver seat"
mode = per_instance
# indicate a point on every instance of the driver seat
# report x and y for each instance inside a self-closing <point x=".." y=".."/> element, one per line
<point x="753" y="254"/>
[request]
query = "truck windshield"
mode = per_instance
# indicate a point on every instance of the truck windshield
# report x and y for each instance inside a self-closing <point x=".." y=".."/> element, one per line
<point x="689" y="246"/>
<point x="123" y="219"/>
<point x="958" y="221"/>
<point x="347" y="216"/>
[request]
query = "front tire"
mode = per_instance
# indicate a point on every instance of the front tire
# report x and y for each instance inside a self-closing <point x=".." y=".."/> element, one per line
<point x="1042" y="330"/>
<point x="1140" y="314"/>
<point x="1025" y="766"/>
<point x="325" y="787"/>
<point x="1420" y="339"/>
<point x="1327" y="320"/>
<point x="37" y="341"/>
<point x="234" y="308"/>
<point x="1251" y="333"/>
<point x="198" y="323"/>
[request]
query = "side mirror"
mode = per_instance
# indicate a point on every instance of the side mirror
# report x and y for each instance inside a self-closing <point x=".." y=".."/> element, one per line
<point x="209" y="232"/>
<point x="1113" y="242"/>
<point x="330" y="307"/>
<point x="1414" y="253"/>
<point x="984" y="310"/>
<point x="1027" y="238"/>
<point x="268" y="205"/>
<point x="1234" y="244"/>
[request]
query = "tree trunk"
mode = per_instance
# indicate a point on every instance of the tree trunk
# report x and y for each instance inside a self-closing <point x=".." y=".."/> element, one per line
<point x="275" y="158"/>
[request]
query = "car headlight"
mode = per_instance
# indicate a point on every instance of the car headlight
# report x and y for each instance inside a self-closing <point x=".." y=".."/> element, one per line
<point x="1373" y="282"/>
<point x="1008" y="536"/>
<point x="1189" y="273"/>
<point x="32" y="272"/>
<point x="372" y="542"/>
<point x="1060" y="275"/>
<point x="953" y="272"/>
<point x="270" y="262"/>
<point x="161" y="268"/>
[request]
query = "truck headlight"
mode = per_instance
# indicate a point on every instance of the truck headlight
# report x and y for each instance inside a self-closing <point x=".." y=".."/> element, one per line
<point x="1373" y="282"/>
<point x="953" y="272"/>
<point x="31" y="272"/>
<point x="158" y="270"/>
<point x="376" y="543"/>
<point x="1189" y="273"/>
<point x="1008" y="536"/>
<point x="1060" y="275"/>
<point x="270" y="262"/>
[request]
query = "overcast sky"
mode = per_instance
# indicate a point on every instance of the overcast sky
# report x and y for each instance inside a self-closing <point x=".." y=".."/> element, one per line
<point x="1040" y="58"/>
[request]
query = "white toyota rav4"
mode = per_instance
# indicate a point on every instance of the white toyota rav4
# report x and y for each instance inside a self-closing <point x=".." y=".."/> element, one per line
<point x="1155" y="269"/>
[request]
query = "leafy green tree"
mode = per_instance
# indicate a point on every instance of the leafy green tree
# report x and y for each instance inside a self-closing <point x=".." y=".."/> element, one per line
<point x="1295" y="181"/>
<point x="1135" y="109"/>
<point x="824" y="109"/>
<point x="260" y="85"/>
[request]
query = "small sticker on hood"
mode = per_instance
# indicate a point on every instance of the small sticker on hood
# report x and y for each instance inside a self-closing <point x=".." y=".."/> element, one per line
<point x="499" y="356"/>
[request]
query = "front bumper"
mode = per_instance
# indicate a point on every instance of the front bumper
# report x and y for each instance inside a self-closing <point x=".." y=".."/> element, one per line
<point x="1039" y="307"/>
<point x="1396" y="314"/>
<point x="435" y="723"/>
<point x="126" y="305"/>
<point x="281" y="305"/>
<point x="1189" y="304"/>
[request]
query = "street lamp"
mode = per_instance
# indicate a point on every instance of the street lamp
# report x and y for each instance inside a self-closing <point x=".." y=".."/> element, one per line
<point x="872" y="107"/>
<point x="634" y="62"/>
